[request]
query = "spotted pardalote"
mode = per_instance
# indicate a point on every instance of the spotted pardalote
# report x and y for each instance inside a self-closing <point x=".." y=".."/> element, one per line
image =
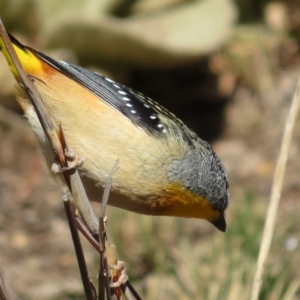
<point x="165" y="168"/>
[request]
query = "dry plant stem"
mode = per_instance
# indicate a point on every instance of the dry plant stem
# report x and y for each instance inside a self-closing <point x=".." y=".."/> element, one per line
<point x="54" y="134"/>
<point x="130" y="293"/>
<point x="76" y="187"/>
<point x="111" y="255"/>
<point x="55" y="137"/>
<point x="2" y="294"/>
<point x="103" y="276"/>
<point x="88" y="289"/>
<point x="275" y="193"/>
<point x="94" y="240"/>
<point x="6" y="292"/>
<point x="103" y="279"/>
<point x="107" y="188"/>
<point x="83" y="204"/>
<point x="35" y="97"/>
<point x="79" y="195"/>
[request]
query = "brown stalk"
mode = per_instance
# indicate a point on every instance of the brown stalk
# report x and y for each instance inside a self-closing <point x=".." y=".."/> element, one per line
<point x="275" y="193"/>
<point x="54" y="135"/>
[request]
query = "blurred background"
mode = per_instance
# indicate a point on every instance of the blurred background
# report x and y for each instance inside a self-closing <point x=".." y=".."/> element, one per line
<point x="228" y="69"/>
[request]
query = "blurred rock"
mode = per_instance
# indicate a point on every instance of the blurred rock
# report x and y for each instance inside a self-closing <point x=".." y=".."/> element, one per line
<point x="276" y="16"/>
<point x="162" y="39"/>
<point x="19" y="15"/>
<point x="150" y="6"/>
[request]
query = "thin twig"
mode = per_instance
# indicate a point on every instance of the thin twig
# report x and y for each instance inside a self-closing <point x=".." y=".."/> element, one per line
<point x="103" y="276"/>
<point x="130" y="292"/>
<point x="79" y="252"/>
<point x="275" y="193"/>
<point x="107" y="188"/>
<point x="6" y="292"/>
<point x="83" y="204"/>
<point x="36" y="99"/>
<point x="78" y="192"/>
<point x="94" y="240"/>
<point x="108" y="256"/>
<point x="59" y="145"/>
<point x="52" y="131"/>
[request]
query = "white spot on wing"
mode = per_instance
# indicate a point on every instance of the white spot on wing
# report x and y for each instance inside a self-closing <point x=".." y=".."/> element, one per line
<point x="122" y="92"/>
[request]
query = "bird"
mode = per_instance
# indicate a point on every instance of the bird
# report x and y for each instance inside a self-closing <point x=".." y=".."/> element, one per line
<point x="165" y="168"/>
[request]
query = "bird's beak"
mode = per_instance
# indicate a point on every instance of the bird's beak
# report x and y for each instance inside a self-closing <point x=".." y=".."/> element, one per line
<point x="220" y="222"/>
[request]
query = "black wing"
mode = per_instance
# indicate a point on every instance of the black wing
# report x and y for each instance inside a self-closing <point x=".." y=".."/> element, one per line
<point x="141" y="110"/>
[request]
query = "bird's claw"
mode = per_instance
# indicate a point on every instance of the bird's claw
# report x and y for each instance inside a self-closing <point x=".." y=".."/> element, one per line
<point x="122" y="279"/>
<point x="74" y="161"/>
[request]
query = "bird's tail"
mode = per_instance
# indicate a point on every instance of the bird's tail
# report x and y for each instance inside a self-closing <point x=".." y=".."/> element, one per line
<point x="29" y="61"/>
